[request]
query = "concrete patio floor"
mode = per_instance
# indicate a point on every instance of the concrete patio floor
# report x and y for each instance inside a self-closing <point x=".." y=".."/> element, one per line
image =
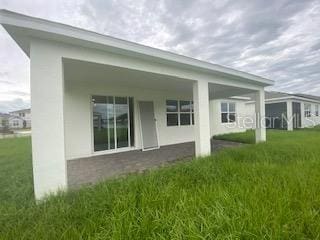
<point x="94" y="169"/>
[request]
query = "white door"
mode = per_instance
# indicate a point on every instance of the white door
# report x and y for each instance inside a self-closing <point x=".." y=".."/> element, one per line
<point x="148" y="126"/>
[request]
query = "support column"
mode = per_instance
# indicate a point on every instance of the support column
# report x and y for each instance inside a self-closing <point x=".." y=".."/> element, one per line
<point x="201" y="117"/>
<point x="48" y="145"/>
<point x="260" y="117"/>
<point x="303" y="118"/>
<point x="289" y="116"/>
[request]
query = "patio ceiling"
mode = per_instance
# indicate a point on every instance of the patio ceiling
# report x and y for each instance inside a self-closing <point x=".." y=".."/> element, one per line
<point x="76" y="72"/>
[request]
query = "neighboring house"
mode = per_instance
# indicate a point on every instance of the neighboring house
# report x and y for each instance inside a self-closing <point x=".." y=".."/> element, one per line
<point x="16" y="122"/>
<point x="289" y="111"/>
<point x="20" y="119"/>
<point x="92" y="95"/>
<point x="4" y="122"/>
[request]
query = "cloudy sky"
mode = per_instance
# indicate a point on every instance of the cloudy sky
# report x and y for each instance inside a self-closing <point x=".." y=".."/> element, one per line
<point x="276" y="39"/>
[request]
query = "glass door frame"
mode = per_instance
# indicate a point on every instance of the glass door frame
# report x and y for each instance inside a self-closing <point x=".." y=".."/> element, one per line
<point x="116" y="149"/>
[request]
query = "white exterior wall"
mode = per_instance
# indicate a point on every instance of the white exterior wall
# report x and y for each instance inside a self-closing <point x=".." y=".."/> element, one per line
<point x="250" y="112"/>
<point x="27" y="118"/>
<point x="309" y="121"/>
<point x="217" y="127"/>
<point x="48" y="142"/>
<point x="78" y="116"/>
<point x="61" y="114"/>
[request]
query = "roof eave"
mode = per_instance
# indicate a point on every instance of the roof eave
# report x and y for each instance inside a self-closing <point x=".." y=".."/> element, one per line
<point x="66" y="33"/>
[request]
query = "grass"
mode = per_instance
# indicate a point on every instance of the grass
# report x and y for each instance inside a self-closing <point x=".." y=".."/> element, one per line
<point x="264" y="191"/>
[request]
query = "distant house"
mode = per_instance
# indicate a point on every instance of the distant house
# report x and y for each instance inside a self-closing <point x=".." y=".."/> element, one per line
<point x="16" y="122"/>
<point x="4" y="122"/>
<point x="290" y="111"/>
<point x="20" y="119"/>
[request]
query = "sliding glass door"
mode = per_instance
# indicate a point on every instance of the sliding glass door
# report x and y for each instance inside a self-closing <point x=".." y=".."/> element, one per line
<point x="122" y="115"/>
<point x="112" y="122"/>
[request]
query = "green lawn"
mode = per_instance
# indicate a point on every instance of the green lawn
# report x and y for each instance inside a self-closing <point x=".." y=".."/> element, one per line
<point x="264" y="191"/>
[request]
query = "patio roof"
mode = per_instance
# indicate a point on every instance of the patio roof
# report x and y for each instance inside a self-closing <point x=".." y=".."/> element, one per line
<point x="22" y="28"/>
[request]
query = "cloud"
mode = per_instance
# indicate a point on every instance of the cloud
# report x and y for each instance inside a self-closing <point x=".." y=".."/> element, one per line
<point x="277" y="39"/>
<point x="16" y="93"/>
<point x="13" y="105"/>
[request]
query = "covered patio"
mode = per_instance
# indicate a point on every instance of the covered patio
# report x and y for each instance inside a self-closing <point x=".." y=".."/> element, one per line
<point x="95" y="96"/>
<point x="91" y="170"/>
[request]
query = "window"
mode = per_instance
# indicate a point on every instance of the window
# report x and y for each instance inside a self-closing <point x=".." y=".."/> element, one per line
<point x="172" y="113"/>
<point x="307" y="110"/>
<point x="185" y="112"/>
<point x="179" y="113"/>
<point x="228" y="112"/>
<point x="317" y="111"/>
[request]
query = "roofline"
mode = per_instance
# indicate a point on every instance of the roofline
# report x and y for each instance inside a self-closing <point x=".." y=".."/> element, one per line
<point x="293" y="97"/>
<point x="12" y="116"/>
<point x="280" y="99"/>
<point x="67" y="31"/>
<point x="21" y="110"/>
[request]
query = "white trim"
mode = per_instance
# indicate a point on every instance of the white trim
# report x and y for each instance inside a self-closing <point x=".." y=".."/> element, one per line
<point x="157" y="131"/>
<point x="116" y="149"/>
<point x="292" y="98"/>
<point x="140" y="125"/>
<point x="91" y="124"/>
<point x="149" y="149"/>
<point x="115" y="135"/>
<point x="129" y="133"/>
<point x="280" y="99"/>
<point x="109" y="139"/>
<point x="307" y="109"/>
<point x="228" y="111"/>
<point x="191" y="112"/>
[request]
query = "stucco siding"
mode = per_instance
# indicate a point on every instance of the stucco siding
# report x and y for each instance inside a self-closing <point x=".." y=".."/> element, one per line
<point x="78" y="130"/>
<point x="78" y="116"/>
<point x="217" y="127"/>
<point x="310" y="121"/>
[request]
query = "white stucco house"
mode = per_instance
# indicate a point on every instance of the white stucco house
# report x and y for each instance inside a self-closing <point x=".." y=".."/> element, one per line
<point x="15" y="122"/>
<point x="20" y="119"/>
<point x="101" y="95"/>
<point x="4" y="122"/>
<point x="289" y="111"/>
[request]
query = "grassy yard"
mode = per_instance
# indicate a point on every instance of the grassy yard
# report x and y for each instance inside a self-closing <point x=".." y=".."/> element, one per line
<point x="264" y="191"/>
